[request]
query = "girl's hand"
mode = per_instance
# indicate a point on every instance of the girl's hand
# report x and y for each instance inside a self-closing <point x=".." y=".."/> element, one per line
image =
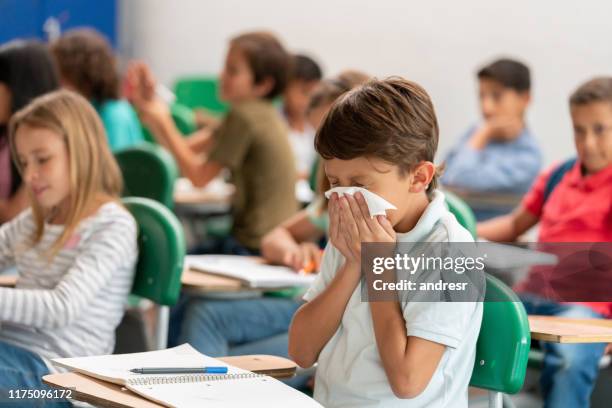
<point x="139" y="89"/>
<point x="305" y="256"/>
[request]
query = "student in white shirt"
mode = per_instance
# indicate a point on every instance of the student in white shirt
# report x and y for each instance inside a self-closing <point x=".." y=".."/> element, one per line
<point x="304" y="78"/>
<point x="383" y="136"/>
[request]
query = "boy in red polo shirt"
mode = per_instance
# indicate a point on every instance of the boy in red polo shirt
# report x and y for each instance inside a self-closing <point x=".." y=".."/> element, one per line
<point x="573" y="203"/>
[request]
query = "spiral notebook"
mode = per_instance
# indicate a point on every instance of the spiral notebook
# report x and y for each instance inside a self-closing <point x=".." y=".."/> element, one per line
<point x="237" y="388"/>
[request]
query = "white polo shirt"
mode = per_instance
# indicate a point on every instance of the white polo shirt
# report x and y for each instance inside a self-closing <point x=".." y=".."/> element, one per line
<point x="350" y="372"/>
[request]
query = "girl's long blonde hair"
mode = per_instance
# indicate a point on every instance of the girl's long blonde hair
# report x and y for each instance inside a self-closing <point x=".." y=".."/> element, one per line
<point x="94" y="173"/>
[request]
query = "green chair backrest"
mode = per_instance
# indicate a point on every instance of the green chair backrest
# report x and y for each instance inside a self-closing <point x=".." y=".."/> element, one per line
<point x="161" y="244"/>
<point x="314" y="174"/>
<point x="504" y="341"/>
<point x="183" y="117"/>
<point x="148" y="171"/>
<point x="462" y="212"/>
<point x="200" y="92"/>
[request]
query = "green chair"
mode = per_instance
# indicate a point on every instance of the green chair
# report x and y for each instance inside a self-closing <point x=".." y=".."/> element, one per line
<point x="148" y="171"/>
<point x="314" y="174"/>
<point x="161" y="244"/>
<point x="183" y="117"/>
<point x="200" y="92"/>
<point x="503" y="344"/>
<point x="462" y="212"/>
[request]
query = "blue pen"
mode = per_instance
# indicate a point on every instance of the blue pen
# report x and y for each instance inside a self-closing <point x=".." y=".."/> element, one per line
<point x="180" y="370"/>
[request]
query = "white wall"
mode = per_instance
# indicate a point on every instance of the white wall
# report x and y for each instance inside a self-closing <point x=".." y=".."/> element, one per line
<point x="438" y="43"/>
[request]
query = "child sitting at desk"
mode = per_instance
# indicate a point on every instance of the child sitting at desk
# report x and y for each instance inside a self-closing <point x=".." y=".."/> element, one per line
<point x="75" y="249"/>
<point x="500" y="155"/>
<point x="251" y="141"/>
<point x="87" y="64"/>
<point x="293" y="243"/>
<point x="383" y="136"/>
<point x="303" y="80"/>
<point x="572" y="202"/>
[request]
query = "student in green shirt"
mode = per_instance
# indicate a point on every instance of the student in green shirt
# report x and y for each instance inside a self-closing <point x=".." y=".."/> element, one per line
<point x="251" y="141"/>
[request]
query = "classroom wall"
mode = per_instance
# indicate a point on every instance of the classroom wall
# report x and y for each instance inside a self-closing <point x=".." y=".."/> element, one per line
<point x="437" y="43"/>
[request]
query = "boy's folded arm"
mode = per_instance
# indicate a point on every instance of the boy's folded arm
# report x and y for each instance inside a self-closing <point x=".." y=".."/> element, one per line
<point x="409" y="361"/>
<point x="489" y="171"/>
<point x="315" y="322"/>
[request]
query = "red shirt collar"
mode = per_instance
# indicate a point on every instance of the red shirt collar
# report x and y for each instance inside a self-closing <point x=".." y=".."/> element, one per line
<point x="590" y="181"/>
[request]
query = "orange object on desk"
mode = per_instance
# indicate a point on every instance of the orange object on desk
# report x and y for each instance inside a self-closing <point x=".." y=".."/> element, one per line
<point x="310" y="267"/>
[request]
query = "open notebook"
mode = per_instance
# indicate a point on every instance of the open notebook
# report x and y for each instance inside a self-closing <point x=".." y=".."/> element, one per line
<point x="249" y="270"/>
<point x="237" y="388"/>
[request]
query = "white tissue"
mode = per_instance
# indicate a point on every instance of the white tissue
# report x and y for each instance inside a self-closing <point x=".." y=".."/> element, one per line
<point x="376" y="204"/>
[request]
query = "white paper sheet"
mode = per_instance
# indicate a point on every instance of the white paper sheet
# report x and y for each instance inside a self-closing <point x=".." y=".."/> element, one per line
<point x="256" y="275"/>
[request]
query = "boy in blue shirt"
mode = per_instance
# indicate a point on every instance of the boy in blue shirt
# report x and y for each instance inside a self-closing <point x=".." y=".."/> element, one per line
<point x="500" y="154"/>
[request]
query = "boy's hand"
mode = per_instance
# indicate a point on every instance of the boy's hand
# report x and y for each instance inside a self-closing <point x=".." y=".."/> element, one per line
<point x="608" y="349"/>
<point x="504" y="128"/>
<point x="336" y="236"/>
<point x="305" y="256"/>
<point x="351" y="225"/>
<point x="139" y="89"/>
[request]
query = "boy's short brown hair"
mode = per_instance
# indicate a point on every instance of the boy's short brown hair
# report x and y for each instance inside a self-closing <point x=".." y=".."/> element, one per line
<point x="266" y="57"/>
<point x="510" y="73"/>
<point x="595" y="90"/>
<point x="392" y="119"/>
<point x="86" y="60"/>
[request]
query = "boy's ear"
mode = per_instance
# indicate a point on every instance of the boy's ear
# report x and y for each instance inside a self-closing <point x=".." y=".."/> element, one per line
<point x="264" y="87"/>
<point x="422" y="175"/>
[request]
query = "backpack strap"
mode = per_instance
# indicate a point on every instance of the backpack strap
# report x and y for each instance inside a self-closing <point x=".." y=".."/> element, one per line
<point x="557" y="175"/>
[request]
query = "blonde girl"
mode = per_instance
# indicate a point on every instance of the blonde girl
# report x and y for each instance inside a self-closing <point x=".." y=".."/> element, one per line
<point x="75" y="247"/>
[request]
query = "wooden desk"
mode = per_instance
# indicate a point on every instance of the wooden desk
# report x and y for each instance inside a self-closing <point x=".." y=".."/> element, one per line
<point x="192" y="281"/>
<point x="216" y="192"/>
<point x="102" y="393"/>
<point x="196" y="281"/>
<point x="487" y="200"/>
<point x="566" y="330"/>
<point x="195" y="205"/>
<point x="8" y="281"/>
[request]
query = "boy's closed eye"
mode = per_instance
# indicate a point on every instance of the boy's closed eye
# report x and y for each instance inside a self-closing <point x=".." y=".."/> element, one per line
<point x="333" y="182"/>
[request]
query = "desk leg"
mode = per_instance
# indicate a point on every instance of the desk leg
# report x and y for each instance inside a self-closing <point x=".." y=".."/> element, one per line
<point x="495" y="399"/>
<point x="163" y="321"/>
